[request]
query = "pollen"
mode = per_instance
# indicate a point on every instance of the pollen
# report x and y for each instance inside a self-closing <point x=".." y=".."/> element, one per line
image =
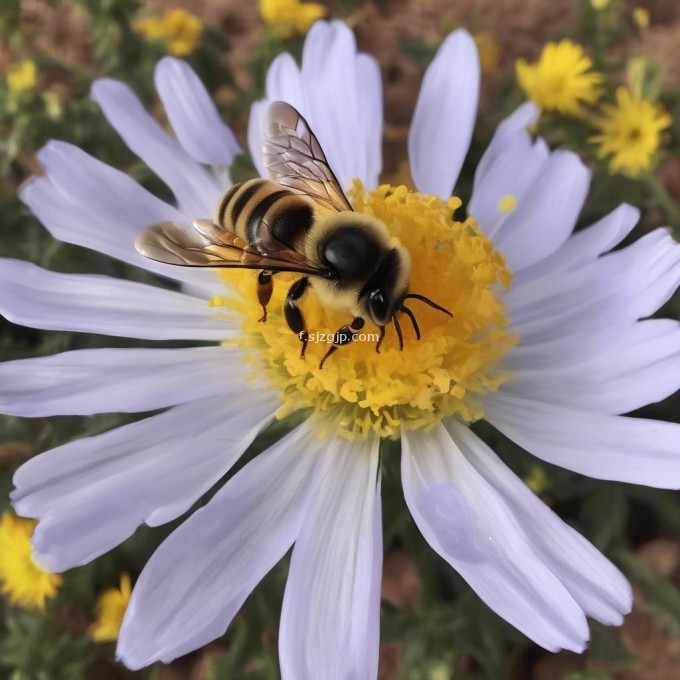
<point x="507" y="203"/>
<point x="22" y="581"/>
<point x="359" y="391"/>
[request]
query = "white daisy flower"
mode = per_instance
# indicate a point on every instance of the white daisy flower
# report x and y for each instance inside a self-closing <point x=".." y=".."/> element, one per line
<point x="546" y="343"/>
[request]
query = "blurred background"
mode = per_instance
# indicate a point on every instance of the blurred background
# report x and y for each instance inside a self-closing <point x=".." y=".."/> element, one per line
<point x="433" y="626"/>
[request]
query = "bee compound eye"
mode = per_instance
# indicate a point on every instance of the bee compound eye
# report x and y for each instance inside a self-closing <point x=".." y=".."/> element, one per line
<point x="378" y="306"/>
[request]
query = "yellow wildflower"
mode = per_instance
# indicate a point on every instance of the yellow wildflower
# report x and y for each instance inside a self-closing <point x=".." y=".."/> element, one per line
<point x="111" y="607"/>
<point x="22" y="76"/>
<point x="179" y="29"/>
<point x="641" y="18"/>
<point x="630" y="132"/>
<point x="561" y="79"/>
<point x="600" y="4"/>
<point x="290" y="17"/>
<point x="22" y="581"/>
<point x="489" y="51"/>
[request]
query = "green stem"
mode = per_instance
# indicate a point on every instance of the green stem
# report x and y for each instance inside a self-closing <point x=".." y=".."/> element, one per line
<point x="668" y="205"/>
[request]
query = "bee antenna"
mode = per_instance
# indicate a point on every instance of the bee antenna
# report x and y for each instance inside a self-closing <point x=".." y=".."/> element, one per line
<point x="400" y="335"/>
<point x="427" y="301"/>
<point x="410" y="315"/>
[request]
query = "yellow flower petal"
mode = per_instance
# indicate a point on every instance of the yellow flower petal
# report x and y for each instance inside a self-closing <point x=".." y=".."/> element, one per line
<point x="181" y="30"/>
<point x="290" y="17"/>
<point x="630" y="132"/>
<point x="561" y="80"/>
<point x="22" y="581"/>
<point x="111" y="607"/>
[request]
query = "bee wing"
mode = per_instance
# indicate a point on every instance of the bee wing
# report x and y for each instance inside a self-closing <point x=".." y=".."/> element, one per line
<point x="294" y="158"/>
<point x="209" y="245"/>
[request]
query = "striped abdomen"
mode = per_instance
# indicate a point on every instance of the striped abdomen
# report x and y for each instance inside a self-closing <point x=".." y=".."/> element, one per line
<point x="248" y="208"/>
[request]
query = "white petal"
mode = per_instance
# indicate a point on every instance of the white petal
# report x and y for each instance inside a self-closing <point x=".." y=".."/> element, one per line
<point x="284" y="81"/>
<point x="584" y="246"/>
<point x="593" y="581"/>
<point x="641" y="368"/>
<point x="84" y="201"/>
<point x="195" y="189"/>
<point x="626" y="449"/>
<point x="192" y="114"/>
<point x="90" y="381"/>
<point x="546" y="214"/>
<point x="330" y="80"/>
<point x="470" y="525"/>
<point x="444" y="117"/>
<point x="256" y="134"/>
<point x="584" y="313"/>
<point x="202" y="573"/>
<point x="370" y="99"/>
<point x="609" y="293"/>
<point x="39" y="298"/>
<point x="512" y="173"/>
<point x="283" y="84"/>
<point x="91" y="494"/>
<point x="338" y="93"/>
<point x="331" y="607"/>
<point x="516" y="123"/>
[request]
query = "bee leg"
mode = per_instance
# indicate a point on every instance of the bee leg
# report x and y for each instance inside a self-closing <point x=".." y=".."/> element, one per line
<point x="380" y="339"/>
<point x="400" y="335"/>
<point x="343" y="336"/>
<point x="292" y="312"/>
<point x="264" y="291"/>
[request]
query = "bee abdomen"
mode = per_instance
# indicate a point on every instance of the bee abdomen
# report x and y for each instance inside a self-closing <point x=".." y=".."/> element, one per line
<point x="248" y="208"/>
<point x="235" y="202"/>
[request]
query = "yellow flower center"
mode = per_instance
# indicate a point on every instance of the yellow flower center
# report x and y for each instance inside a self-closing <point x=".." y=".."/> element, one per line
<point x="358" y="391"/>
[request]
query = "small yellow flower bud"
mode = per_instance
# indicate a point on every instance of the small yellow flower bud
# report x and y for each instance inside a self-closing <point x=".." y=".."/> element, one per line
<point x="22" y="76"/>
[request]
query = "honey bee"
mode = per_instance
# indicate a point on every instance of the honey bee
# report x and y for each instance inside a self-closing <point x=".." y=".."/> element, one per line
<point x="298" y="220"/>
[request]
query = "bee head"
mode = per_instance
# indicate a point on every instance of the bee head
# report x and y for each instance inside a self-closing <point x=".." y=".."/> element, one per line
<point x="371" y="268"/>
<point x="384" y="292"/>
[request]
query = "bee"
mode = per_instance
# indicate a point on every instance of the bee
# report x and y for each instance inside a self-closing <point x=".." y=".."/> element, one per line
<point x="299" y="220"/>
